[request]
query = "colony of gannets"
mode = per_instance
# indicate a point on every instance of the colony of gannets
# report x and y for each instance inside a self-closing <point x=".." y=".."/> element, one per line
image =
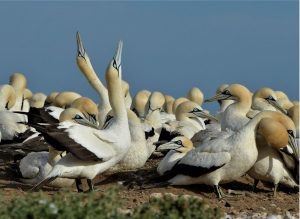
<point x="64" y="137"/>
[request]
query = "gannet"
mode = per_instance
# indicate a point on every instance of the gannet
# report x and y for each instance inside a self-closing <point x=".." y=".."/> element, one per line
<point x="195" y="95"/>
<point x="36" y="165"/>
<point x="270" y="165"/>
<point x="128" y="99"/>
<point x="139" y="151"/>
<point x="65" y="99"/>
<point x="265" y="99"/>
<point x="139" y="103"/>
<point x="223" y="159"/>
<point x="166" y="113"/>
<point x="7" y="97"/>
<point x="283" y="100"/>
<point x="169" y="104"/>
<point x="223" y="103"/>
<point x="177" y="102"/>
<point x="85" y="66"/>
<point x="178" y="147"/>
<point x="235" y="115"/>
<point x="93" y="151"/>
<point x="37" y="100"/>
<point x="50" y="98"/>
<point x="189" y="120"/>
<point x="10" y="127"/>
<point x="18" y="82"/>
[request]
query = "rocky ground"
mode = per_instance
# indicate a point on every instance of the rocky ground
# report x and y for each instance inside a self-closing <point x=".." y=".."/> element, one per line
<point x="242" y="201"/>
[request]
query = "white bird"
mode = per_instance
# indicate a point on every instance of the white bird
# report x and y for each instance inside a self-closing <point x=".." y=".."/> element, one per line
<point x="221" y="160"/>
<point x="18" y="82"/>
<point x="178" y="148"/>
<point x="235" y="115"/>
<point x="37" y="100"/>
<point x="265" y="99"/>
<point x="10" y="127"/>
<point x="139" y="151"/>
<point x="93" y="151"/>
<point x="139" y="103"/>
<point x="270" y="166"/>
<point x="195" y="95"/>
<point x="65" y="99"/>
<point x="36" y="165"/>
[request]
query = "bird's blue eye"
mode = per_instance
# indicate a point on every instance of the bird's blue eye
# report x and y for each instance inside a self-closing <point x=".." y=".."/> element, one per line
<point x="78" y="117"/>
<point x="179" y="142"/>
<point x="196" y="110"/>
<point x="226" y="92"/>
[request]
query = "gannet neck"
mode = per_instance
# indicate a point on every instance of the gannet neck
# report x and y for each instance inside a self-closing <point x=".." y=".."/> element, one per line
<point x="155" y="102"/>
<point x="265" y="99"/>
<point x="37" y="100"/>
<point x="85" y="66"/>
<point x="274" y="133"/>
<point x="168" y="106"/>
<point x="195" y="95"/>
<point x="18" y="81"/>
<point x="65" y="99"/>
<point x="114" y="86"/>
<point x="50" y="98"/>
<point x="128" y="99"/>
<point x="7" y="97"/>
<point x="177" y="102"/>
<point x="139" y="102"/>
<point x="243" y="98"/>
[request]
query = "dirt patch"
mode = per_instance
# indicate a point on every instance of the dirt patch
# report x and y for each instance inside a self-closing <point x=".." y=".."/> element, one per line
<point x="242" y="200"/>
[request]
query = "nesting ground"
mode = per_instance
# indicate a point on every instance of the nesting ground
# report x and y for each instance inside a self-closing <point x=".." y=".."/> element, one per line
<point x="242" y="199"/>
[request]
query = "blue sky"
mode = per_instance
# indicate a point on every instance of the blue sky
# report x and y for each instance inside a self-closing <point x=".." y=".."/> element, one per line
<point x="168" y="46"/>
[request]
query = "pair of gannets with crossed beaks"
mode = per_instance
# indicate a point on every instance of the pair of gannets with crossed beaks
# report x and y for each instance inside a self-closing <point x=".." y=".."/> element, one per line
<point x="93" y="151"/>
<point x="85" y="66"/>
<point x="223" y="159"/>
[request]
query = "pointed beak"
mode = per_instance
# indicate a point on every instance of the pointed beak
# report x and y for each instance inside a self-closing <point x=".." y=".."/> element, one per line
<point x="80" y="48"/>
<point x="168" y="146"/>
<point x="294" y="146"/>
<point x="218" y="97"/>
<point x="86" y="122"/>
<point x="118" y="58"/>
<point x="204" y="115"/>
<point x="277" y="106"/>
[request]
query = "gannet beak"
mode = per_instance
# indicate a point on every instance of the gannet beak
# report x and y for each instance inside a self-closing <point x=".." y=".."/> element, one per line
<point x="168" y="146"/>
<point x="276" y="105"/>
<point x="80" y="48"/>
<point x="294" y="146"/>
<point x="219" y="97"/>
<point x="117" y="58"/>
<point x="205" y="115"/>
<point x="86" y="122"/>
